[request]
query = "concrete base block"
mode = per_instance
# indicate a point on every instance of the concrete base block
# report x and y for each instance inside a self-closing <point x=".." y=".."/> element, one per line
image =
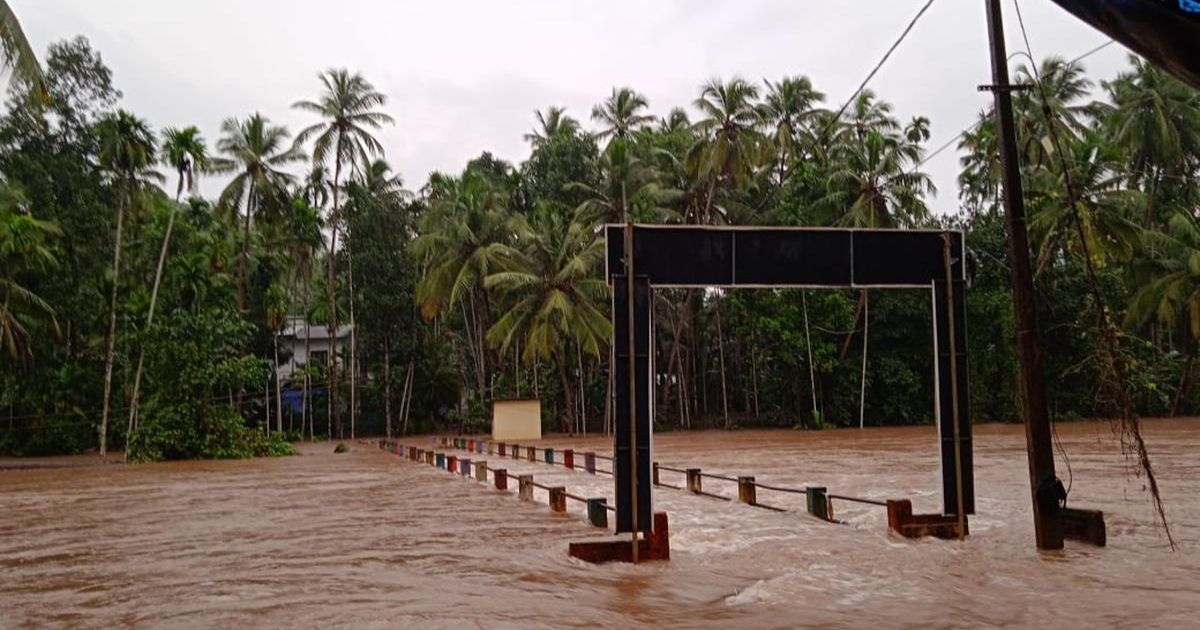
<point x="902" y="521"/>
<point x="656" y="547"/>
<point x="1084" y="525"/>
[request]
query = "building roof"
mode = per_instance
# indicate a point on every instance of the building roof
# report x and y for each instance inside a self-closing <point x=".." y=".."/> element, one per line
<point x="296" y="328"/>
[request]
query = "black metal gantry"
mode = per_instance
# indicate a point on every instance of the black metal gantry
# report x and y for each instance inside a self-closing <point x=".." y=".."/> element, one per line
<point x="735" y="257"/>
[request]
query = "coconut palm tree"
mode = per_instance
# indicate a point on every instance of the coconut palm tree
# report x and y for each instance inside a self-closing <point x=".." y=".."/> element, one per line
<point x="787" y="110"/>
<point x="127" y="154"/>
<point x="621" y="114"/>
<point x="1155" y="119"/>
<point x="183" y="150"/>
<point x="1168" y="281"/>
<point x="465" y="236"/>
<point x="730" y="147"/>
<point x="315" y="190"/>
<point x="257" y="152"/>
<point x="302" y="241"/>
<point x="1055" y="107"/>
<point x="875" y="184"/>
<point x="726" y="156"/>
<point x="676" y="121"/>
<point x="349" y="108"/>
<point x="24" y="248"/>
<point x="628" y="187"/>
<point x="17" y="55"/>
<point x="1103" y="205"/>
<point x="979" y="180"/>
<point x="381" y="185"/>
<point x="377" y="187"/>
<point x="554" y="298"/>
<point x="276" y="301"/>
<point x="376" y="184"/>
<point x="550" y="124"/>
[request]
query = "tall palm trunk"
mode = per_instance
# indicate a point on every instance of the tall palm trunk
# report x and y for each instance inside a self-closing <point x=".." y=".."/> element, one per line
<point x="331" y="380"/>
<point x="675" y="361"/>
<point x="721" y="354"/>
<point x="243" y="262"/>
<point x="111" y="341"/>
<point x="862" y="392"/>
<point x="305" y="396"/>
<point x="812" y="372"/>
<point x="406" y="399"/>
<point x="582" y="394"/>
<point x="708" y="203"/>
<point x="475" y="330"/>
<point x="387" y="390"/>
<point x="267" y="401"/>
<point x="353" y="331"/>
<point x="1184" y="377"/>
<point x="568" y="400"/>
<point x="278" y="390"/>
<point x="158" y="274"/>
<point x="858" y="311"/>
<point x="754" y="374"/>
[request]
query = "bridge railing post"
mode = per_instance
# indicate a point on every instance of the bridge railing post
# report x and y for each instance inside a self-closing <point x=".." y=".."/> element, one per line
<point x="817" y="502"/>
<point x="558" y="499"/>
<point x="695" y="483"/>
<point x="597" y="510"/>
<point x="747" y="491"/>
<point x="500" y="476"/>
<point x="525" y="487"/>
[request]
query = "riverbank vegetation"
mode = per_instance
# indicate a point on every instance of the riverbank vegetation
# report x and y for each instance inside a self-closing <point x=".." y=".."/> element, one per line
<point x="137" y="313"/>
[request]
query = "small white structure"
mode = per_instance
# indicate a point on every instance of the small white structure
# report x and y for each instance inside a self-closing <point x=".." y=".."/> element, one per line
<point x="292" y="341"/>
<point x="517" y="420"/>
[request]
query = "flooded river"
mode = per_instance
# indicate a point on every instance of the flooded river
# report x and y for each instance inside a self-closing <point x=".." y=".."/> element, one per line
<point x="364" y="540"/>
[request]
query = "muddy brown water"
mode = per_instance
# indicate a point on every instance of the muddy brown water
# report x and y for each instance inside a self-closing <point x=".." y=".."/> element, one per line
<point x="364" y="540"/>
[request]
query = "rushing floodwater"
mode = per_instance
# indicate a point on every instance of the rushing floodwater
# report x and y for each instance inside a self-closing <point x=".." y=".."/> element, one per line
<point x="366" y="540"/>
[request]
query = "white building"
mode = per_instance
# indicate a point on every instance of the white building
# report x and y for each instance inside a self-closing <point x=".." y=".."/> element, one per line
<point x="292" y="341"/>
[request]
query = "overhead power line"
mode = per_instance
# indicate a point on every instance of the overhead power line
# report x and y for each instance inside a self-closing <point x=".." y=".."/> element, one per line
<point x="969" y="128"/>
<point x="862" y="86"/>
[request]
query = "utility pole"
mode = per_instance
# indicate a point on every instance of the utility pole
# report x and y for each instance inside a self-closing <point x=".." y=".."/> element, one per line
<point x="1042" y="480"/>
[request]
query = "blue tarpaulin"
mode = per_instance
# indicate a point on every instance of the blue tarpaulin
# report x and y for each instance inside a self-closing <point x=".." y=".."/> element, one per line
<point x="1167" y="32"/>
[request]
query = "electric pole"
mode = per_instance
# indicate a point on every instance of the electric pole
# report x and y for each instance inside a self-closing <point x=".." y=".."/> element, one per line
<point x="1042" y="480"/>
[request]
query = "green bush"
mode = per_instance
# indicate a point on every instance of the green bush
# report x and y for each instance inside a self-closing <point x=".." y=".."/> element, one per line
<point x="220" y="433"/>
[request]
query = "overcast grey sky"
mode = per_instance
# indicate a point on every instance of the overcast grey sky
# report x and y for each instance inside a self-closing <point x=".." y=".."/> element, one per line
<point x="464" y="76"/>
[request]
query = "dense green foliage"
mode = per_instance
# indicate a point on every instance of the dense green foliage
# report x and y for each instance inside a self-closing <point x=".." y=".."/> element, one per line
<point x="152" y="319"/>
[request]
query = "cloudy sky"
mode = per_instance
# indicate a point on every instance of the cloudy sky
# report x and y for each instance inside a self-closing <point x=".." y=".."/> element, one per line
<point x="464" y="76"/>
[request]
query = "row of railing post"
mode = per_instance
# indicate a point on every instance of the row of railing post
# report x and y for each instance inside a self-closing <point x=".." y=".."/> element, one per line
<point x="817" y="498"/>
<point x="597" y="508"/>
